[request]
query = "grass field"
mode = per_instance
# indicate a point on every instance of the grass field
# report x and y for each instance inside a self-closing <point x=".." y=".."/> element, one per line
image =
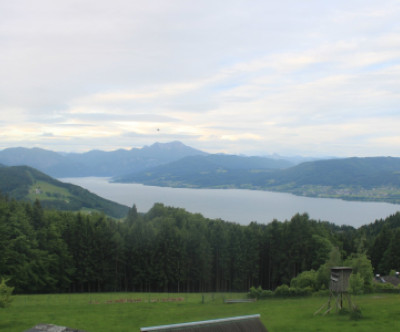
<point x="45" y="191"/>
<point x="130" y="311"/>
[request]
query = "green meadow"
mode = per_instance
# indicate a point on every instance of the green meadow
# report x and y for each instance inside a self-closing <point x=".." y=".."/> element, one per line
<point x="43" y="190"/>
<point x="98" y="312"/>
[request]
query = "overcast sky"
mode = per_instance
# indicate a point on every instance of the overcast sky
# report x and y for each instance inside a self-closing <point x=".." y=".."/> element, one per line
<point x="312" y="78"/>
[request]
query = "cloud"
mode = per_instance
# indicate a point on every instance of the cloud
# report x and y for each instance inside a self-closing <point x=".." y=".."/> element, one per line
<point x="280" y="77"/>
<point x="104" y="116"/>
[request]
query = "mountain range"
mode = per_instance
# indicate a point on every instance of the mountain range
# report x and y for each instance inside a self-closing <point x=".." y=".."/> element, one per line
<point x="96" y="162"/>
<point x="177" y="165"/>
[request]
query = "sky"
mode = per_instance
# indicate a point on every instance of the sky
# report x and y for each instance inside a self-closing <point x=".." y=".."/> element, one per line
<point x="311" y="78"/>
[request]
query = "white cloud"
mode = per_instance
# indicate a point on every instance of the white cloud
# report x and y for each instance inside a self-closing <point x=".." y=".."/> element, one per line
<point x="302" y="77"/>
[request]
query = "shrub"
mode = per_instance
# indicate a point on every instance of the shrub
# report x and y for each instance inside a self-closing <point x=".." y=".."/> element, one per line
<point x="356" y="284"/>
<point x="324" y="272"/>
<point x="266" y="294"/>
<point x="254" y="293"/>
<point x="362" y="266"/>
<point x="286" y="291"/>
<point x="386" y="287"/>
<point x="259" y="293"/>
<point x="5" y="294"/>
<point x="297" y="291"/>
<point x="305" y="279"/>
<point x="282" y="291"/>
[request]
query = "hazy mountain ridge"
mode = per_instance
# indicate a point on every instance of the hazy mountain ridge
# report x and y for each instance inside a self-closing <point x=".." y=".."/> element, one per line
<point x="365" y="172"/>
<point x="212" y="170"/>
<point x="96" y="162"/>
<point x="29" y="184"/>
<point x="177" y="165"/>
<point x="372" y="178"/>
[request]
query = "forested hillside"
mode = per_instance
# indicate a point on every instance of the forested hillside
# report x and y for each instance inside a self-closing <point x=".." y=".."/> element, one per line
<point x="169" y="249"/>
<point x="177" y="165"/>
<point x="373" y="179"/>
<point x="26" y="183"/>
<point x="214" y="170"/>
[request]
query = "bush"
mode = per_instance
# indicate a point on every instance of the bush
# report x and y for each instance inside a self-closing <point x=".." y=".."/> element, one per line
<point x="266" y="294"/>
<point x="282" y="291"/>
<point x="259" y="293"/>
<point x="254" y="293"/>
<point x="356" y="284"/>
<point x="297" y="291"/>
<point x="362" y="266"/>
<point x="286" y="291"/>
<point x="386" y="287"/>
<point x="306" y="279"/>
<point x="323" y="275"/>
<point x="5" y="294"/>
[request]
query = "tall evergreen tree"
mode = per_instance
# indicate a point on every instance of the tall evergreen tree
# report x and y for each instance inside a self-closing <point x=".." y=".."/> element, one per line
<point x="378" y="249"/>
<point x="391" y="257"/>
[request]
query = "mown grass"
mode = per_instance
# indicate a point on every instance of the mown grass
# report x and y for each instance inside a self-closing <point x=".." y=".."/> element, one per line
<point x="118" y="312"/>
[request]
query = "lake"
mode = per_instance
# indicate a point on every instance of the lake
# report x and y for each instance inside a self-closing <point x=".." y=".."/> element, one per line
<point x="238" y="205"/>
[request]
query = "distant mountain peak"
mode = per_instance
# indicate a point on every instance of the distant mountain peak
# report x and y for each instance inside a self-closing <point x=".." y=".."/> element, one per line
<point x="97" y="162"/>
<point x="168" y="146"/>
<point x="175" y="146"/>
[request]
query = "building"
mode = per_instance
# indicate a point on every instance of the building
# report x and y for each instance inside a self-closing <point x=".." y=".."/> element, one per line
<point x="232" y="324"/>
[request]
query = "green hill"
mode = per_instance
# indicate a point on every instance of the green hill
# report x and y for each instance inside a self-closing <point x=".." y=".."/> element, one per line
<point x="366" y="172"/>
<point x="215" y="171"/>
<point x="26" y="183"/>
<point x="373" y="179"/>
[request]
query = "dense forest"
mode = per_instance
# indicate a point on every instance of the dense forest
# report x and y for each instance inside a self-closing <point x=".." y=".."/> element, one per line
<point x="170" y="249"/>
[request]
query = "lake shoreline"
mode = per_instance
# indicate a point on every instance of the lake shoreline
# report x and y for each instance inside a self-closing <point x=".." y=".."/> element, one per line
<point x="238" y="205"/>
<point x="384" y="194"/>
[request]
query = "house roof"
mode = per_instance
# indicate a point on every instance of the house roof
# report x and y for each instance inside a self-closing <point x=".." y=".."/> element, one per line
<point x="392" y="279"/>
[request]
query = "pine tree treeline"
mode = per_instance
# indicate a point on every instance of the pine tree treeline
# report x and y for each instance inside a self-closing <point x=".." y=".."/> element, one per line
<point x="166" y="249"/>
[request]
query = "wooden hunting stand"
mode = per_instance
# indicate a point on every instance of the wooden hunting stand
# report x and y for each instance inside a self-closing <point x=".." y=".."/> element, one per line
<point x="338" y="287"/>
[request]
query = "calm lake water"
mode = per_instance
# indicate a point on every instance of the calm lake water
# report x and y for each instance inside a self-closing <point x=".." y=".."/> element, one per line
<point x="238" y="205"/>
